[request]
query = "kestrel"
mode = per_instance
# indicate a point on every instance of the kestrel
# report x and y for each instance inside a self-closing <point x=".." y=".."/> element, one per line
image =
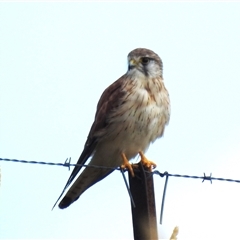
<point x="131" y="113"/>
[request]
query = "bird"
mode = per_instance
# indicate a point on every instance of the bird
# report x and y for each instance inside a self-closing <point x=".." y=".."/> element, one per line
<point x="131" y="114"/>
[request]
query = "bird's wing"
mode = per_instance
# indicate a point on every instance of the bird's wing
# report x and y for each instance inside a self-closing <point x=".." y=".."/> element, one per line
<point x="109" y="101"/>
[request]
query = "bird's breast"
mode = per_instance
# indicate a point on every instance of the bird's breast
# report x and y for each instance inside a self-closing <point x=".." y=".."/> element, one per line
<point x="142" y="115"/>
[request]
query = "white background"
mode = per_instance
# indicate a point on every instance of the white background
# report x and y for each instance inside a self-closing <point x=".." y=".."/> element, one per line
<point x="55" y="61"/>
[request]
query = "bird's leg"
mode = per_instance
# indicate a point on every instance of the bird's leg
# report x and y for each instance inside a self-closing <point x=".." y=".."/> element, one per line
<point x="126" y="164"/>
<point x="145" y="162"/>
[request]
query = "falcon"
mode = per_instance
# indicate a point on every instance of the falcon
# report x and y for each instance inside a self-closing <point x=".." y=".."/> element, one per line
<point x="131" y="113"/>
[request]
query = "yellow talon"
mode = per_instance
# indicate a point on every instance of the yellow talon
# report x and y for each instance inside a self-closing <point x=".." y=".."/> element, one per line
<point x="147" y="163"/>
<point x="126" y="164"/>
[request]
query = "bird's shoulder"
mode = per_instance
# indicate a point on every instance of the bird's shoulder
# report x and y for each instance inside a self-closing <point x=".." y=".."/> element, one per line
<point x="108" y="102"/>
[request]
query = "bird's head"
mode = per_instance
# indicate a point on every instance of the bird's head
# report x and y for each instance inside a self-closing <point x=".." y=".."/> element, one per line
<point x="145" y="62"/>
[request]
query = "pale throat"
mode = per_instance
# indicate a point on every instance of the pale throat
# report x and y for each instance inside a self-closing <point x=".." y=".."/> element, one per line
<point x="141" y="80"/>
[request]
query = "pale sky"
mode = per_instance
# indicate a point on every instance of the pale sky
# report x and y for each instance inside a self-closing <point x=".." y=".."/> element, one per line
<point x="55" y="61"/>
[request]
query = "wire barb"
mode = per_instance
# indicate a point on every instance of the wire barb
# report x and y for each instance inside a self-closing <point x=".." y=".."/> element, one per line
<point x="67" y="163"/>
<point x="207" y="178"/>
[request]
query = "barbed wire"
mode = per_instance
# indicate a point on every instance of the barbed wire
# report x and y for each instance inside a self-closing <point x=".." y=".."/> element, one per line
<point x="204" y="177"/>
<point x="68" y="164"/>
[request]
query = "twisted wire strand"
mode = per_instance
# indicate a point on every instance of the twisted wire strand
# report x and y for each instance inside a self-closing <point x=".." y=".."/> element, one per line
<point x="66" y="164"/>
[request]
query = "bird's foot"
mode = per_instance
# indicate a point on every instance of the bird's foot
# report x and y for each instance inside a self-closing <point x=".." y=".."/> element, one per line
<point x="126" y="164"/>
<point x="147" y="163"/>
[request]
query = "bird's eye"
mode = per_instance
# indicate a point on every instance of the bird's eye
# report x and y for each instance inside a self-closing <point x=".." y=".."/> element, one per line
<point x="145" y="60"/>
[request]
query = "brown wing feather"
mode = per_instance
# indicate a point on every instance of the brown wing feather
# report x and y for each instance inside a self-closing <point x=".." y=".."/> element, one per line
<point x="109" y="100"/>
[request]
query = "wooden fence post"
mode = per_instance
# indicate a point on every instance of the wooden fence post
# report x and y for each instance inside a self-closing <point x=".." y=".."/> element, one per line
<point x="144" y="212"/>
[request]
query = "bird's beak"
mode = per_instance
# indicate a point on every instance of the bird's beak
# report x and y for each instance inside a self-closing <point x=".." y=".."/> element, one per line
<point x="132" y="63"/>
